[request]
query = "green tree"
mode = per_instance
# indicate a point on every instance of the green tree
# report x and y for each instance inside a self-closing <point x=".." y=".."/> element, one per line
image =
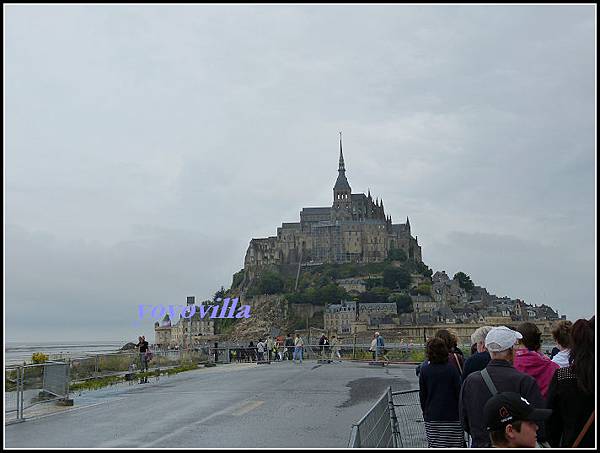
<point x="238" y="277"/>
<point x="377" y="295"/>
<point x="372" y="282"/>
<point x="464" y="281"/>
<point x="220" y="294"/>
<point x="330" y="293"/>
<point x="397" y="255"/>
<point x="396" y="277"/>
<point x="423" y="269"/>
<point x="403" y="302"/>
<point x="270" y="283"/>
<point x="424" y="289"/>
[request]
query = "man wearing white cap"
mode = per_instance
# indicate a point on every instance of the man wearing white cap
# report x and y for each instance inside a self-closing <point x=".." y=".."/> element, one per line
<point x="498" y="376"/>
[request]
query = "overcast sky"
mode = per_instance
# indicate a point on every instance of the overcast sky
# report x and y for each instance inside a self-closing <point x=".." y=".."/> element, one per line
<point x="146" y="145"/>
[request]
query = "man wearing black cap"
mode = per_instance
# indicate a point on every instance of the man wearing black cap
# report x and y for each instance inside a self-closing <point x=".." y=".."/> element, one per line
<point x="511" y="421"/>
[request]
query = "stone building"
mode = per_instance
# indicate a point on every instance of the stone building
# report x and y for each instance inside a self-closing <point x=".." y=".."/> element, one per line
<point x="423" y="303"/>
<point x="195" y="329"/>
<point x="354" y="229"/>
<point x="368" y="310"/>
<point x="339" y="317"/>
<point x="356" y="284"/>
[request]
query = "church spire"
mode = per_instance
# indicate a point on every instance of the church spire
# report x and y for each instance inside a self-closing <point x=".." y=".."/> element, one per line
<point x="341" y="167"/>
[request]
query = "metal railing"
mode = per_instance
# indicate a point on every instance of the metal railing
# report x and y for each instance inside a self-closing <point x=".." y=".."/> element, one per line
<point x="30" y="385"/>
<point x="392" y="354"/>
<point x="378" y="428"/>
<point x="394" y="421"/>
<point x="27" y="386"/>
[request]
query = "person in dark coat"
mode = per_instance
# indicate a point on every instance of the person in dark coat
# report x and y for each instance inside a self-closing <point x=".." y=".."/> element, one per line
<point x="439" y="390"/>
<point x="479" y="360"/>
<point x="571" y="395"/>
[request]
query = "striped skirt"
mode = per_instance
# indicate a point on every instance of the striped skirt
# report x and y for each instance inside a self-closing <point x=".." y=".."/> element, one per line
<point x="444" y="434"/>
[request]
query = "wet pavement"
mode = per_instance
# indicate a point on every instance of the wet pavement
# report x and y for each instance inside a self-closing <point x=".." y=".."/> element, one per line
<point x="236" y="405"/>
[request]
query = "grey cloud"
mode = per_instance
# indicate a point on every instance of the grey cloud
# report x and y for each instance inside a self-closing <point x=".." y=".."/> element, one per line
<point x="146" y="145"/>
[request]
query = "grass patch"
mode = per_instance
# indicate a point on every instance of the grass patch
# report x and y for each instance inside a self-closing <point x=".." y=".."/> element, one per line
<point x="95" y="384"/>
<point x="98" y="383"/>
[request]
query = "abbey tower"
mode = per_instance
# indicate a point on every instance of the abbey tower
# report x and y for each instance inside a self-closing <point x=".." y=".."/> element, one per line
<point x="354" y="229"/>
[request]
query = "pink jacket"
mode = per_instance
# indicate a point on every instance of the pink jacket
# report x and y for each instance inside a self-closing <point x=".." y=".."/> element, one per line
<point x="536" y="365"/>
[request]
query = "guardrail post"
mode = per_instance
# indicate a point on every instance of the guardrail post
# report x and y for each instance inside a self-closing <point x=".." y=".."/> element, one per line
<point x="20" y="394"/>
<point x="19" y="390"/>
<point x="396" y="439"/>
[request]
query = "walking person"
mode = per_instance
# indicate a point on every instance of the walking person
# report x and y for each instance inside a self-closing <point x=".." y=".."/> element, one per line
<point x="260" y="350"/>
<point x="298" y="348"/>
<point x="529" y="360"/>
<point x="379" y="346"/>
<point x="143" y="349"/>
<point x="571" y="395"/>
<point x="269" y="347"/>
<point x="216" y="351"/>
<point x="498" y="376"/>
<point x="251" y="352"/>
<point x="335" y="348"/>
<point x="562" y="336"/>
<point x="289" y="347"/>
<point x="373" y="346"/>
<point x="322" y="343"/>
<point x="439" y="391"/>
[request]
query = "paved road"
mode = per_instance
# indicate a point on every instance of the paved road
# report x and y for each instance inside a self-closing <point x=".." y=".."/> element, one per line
<point x="236" y="405"/>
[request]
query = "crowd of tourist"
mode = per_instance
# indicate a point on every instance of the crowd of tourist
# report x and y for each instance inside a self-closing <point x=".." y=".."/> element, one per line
<point x="508" y="393"/>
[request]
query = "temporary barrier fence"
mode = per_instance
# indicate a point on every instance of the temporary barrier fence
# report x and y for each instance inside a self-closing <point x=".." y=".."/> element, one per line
<point x="378" y="427"/>
<point x="411" y="425"/>
<point x="27" y="386"/>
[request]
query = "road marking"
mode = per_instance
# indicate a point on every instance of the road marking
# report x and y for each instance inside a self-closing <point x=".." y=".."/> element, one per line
<point x="178" y="431"/>
<point x="248" y="407"/>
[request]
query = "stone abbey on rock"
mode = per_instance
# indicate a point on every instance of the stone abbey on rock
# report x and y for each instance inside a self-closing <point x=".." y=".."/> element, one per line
<point x="354" y="229"/>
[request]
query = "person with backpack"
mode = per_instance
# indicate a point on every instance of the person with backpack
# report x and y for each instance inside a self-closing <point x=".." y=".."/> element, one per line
<point x="498" y="376"/>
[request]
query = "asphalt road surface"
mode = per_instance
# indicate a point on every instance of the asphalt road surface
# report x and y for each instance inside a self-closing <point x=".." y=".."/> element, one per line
<point x="236" y="405"/>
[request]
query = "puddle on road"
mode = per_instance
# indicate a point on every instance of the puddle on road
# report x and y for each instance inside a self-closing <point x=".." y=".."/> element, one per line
<point x="369" y="389"/>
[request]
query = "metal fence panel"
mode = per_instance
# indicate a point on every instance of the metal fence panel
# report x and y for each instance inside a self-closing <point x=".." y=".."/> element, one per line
<point x="375" y="429"/>
<point x="411" y="425"/>
<point x="56" y="379"/>
<point x="12" y="393"/>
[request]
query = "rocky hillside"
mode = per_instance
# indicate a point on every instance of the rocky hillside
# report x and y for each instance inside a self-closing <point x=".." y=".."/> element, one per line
<point x="267" y="311"/>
